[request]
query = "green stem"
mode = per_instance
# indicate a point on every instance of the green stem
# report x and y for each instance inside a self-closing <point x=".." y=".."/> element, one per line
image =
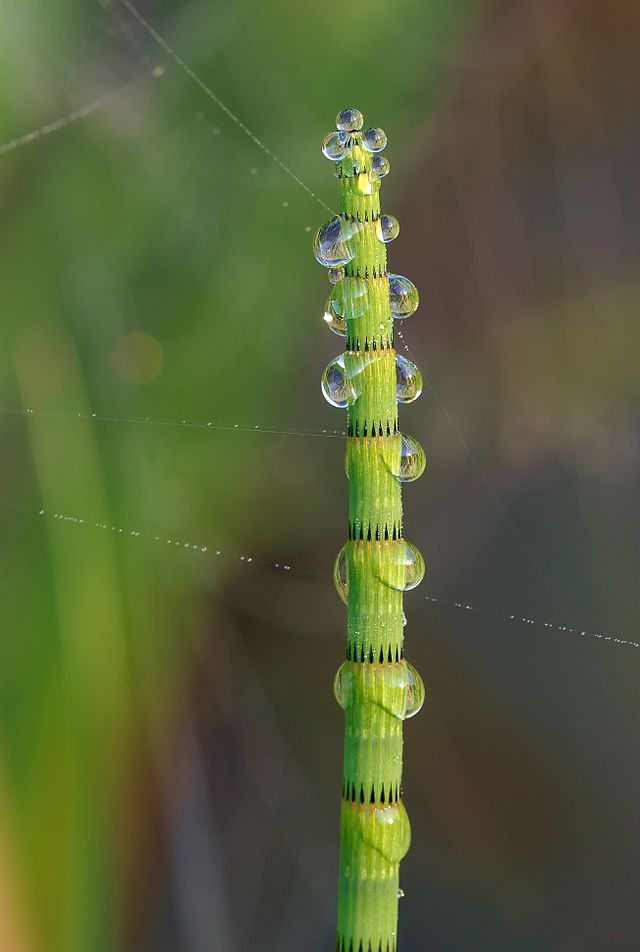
<point x="374" y="684"/>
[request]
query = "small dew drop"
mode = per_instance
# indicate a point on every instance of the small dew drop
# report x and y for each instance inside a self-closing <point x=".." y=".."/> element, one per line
<point x="380" y="165"/>
<point x="387" y="228"/>
<point x="401" y="894"/>
<point x="408" y="380"/>
<point x="336" y="145"/>
<point x="406" y="462"/>
<point x="403" y="296"/>
<point x="374" y="139"/>
<point x="349" y="120"/>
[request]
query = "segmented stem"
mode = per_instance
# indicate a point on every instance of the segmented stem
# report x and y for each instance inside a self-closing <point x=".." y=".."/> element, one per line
<point x="375" y="686"/>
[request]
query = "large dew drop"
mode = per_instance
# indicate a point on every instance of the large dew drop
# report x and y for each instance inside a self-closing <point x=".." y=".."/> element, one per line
<point x="401" y="566"/>
<point x="333" y="244"/>
<point x="336" y="145"/>
<point x="340" y="576"/>
<point x="387" y="228"/>
<point x="343" y="685"/>
<point x="335" y="384"/>
<point x="390" y="832"/>
<point x="403" y="296"/>
<point x="404" y="691"/>
<point x="349" y="120"/>
<point x="413" y="691"/>
<point x="342" y="380"/>
<point x="351" y="297"/>
<point x="408" y="380"/>
<point x="374" y="139"/>
<point x="408" y="463"/>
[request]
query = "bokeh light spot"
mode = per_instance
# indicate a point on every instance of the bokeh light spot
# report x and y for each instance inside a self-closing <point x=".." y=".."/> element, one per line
<point x="137" y="358"/>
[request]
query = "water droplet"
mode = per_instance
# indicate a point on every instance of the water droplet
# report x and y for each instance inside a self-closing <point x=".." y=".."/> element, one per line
<point x="374" y="139"/>
<point x="335" y="384"/>
<point x="349" y="120"/>
<point x="404" y="620"/>
<point x="333" y="244"/>
<point x="342" y="381"/>
<point x="336" y="145"/>
<point x="415" y="693"/>
<point x="407" y="461"/>
<point x="380" y="165"/>
<point x="387" y="228"/>
<point x="351" y="297"/>
<point x="340" y="577"/>
<point x="400" y="893"/>
<point x="403" y="296"/>
<point x="390" y="832"/>
<point x="403" y="690"/>
<point x="335" y="322"/>
<point x="408" y="380"/>
<point x="336" y="274"/>
<point x="401" y="566"/>
<point x="343" y="685"/>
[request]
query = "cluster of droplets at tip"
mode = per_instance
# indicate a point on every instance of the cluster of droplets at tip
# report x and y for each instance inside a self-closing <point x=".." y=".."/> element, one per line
<point x="376" y="687"/>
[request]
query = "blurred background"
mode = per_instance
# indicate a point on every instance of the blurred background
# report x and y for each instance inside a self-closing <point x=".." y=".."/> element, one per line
<point x="170" y="751"/>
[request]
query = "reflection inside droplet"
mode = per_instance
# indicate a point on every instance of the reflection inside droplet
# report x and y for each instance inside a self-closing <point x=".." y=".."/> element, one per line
<point x="408" y="380"/>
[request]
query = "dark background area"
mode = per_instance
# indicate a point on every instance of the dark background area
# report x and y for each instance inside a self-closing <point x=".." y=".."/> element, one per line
<point x="170" y="752"/>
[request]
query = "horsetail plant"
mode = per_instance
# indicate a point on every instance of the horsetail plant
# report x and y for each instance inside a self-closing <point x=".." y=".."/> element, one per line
<point x="375" y="686"/>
